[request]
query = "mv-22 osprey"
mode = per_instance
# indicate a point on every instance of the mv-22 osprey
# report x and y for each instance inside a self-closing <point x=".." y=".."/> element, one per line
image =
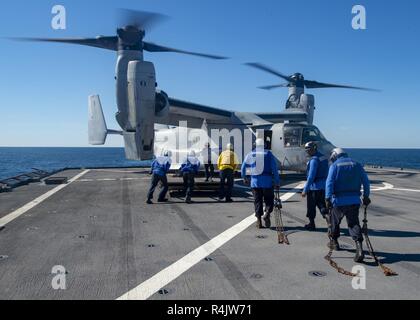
<point x="147" y="116"/>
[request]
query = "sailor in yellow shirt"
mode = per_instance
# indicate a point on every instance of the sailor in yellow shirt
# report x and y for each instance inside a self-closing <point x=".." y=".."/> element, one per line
<point x="227" y="164"/>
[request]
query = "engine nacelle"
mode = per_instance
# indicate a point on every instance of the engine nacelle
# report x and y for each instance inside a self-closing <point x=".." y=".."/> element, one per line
<point x="307" y="103"/>
<point x="141" y="89"/>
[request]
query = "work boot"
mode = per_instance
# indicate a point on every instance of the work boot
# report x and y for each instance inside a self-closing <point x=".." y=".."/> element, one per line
<point x="334" y="245"/>
<point x="360" y="256"/>
<point x="311" y="226"/>
<point x="259" y="223"/>
<point x="149" y="201"/>
<point x="267" y="220"/>
<point x="188" y="200"/>
<point x="230" y="200"/>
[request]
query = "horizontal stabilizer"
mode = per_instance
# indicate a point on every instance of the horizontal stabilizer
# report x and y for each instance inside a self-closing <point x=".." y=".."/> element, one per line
<point x="97" y="125"/>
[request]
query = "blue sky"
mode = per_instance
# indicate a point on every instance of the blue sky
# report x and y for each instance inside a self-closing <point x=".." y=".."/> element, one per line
<point x="44" y="87"/>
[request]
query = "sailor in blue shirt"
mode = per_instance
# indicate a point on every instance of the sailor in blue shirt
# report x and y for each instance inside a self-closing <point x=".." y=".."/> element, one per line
<point x="314" y="190"/>
<point x="343" y="192"/>
<point x="160" y="167"/>
<point x="189" y="169"/>
<point x="263" y="170"/>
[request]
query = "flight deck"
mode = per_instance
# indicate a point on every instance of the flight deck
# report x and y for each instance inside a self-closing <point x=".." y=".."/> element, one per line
<point x="113" y="245"/>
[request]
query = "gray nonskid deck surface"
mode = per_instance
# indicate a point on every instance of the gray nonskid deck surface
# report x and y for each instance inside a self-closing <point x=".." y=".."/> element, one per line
<point x="100" y="229"/>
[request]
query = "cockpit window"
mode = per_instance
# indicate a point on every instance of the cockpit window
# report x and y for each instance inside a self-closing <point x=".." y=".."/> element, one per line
<point x="311" y="134"/>
<point x="298" y="136"/>
<point x="292" y="137"/>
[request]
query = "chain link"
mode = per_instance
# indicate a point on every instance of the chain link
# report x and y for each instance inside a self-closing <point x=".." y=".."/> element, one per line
<point x="387" y="271"/>
<point x="282" y="237"/>
<point x="328" y="257"/>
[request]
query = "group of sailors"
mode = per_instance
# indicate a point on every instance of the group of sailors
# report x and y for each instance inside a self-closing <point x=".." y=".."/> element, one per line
<point x="334" y="185"/>
<point x="227" y="164"/>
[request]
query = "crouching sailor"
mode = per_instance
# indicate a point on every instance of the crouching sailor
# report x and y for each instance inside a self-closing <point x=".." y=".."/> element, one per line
<point x="160" y="168"/>
<point x="189" y="169"/>
<point x="343" y="191"/>
<point x="314" y="189"/>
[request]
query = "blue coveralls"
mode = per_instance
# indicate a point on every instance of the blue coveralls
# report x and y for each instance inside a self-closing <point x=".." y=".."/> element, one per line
<point x="317" y="172"/>
<point x="263" y="170"/>
<point x="160" y="167"/>
<point x="189" y="169"/>
<point x="343" y="189"/>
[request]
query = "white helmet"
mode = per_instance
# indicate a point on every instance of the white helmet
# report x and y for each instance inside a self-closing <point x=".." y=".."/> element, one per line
<point x="337" y="153"/>
<point x="229" y="146"/>
<point x="191" y="153"/>
<point x="260" y="143"/>
<point x="311" y="146"/>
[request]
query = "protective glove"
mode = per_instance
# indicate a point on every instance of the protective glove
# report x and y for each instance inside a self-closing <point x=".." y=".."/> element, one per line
<point x="329" y="204"/>
<point x="366" y="201"/>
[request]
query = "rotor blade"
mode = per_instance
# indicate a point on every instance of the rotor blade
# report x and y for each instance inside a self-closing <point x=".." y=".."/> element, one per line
<point x="269" y="70"/>
<point x="151" y="47"/>
<point x="140" y="19"/>
<point x="109" y="43"/>
<point x="319" y="85"/>
<point x="285" y="85"/>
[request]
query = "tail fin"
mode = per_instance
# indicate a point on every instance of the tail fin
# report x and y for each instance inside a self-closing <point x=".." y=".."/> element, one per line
<point x="97" y="126"/>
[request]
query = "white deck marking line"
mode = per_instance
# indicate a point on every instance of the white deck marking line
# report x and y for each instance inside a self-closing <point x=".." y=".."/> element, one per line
<point x="112" y="179"/>
<point x="409" y="190"/>
<point x="166" y="276"/>
<point x="17" y="213"/>
<point x="387" y="186"/>
<point x="118" y="171"/>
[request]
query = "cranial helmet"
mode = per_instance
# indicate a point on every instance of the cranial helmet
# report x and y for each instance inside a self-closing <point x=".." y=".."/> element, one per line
<point x="311" y="146"/>
<point x="229" y="146"/>
<point x="167" y="153"/>
<point x="337" y="153"/>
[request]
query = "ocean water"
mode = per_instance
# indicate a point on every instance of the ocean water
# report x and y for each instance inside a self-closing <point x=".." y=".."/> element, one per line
<point x="14" y="161"/>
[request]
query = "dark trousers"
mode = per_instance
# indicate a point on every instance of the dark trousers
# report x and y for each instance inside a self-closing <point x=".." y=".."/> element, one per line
<point x="316" y="198"/>
<point x="209" y="170"/>
<point x="352" y="215"/>
<point x="226" y="184"/>
<point x="262" y="196"/>
<point x="155" y="181"/>
<point x="189" y="181"/>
